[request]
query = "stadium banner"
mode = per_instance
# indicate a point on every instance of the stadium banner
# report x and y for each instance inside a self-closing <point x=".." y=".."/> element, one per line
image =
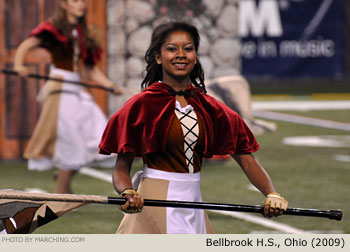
<point x="291" y="38"/>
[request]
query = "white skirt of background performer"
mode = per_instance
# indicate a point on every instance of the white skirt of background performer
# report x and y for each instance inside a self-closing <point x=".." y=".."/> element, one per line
<point x="80" y="124"/>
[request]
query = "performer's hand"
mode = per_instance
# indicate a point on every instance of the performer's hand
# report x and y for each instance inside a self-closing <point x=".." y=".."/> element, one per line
<point x="134" y="202"/>
<point x="274" y="205"/>
<point x="117" y="90"/>
<point x="125" y="91"/>
<point x="21" y="70"/>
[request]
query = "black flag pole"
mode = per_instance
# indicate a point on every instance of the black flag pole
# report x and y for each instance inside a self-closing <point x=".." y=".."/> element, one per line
<point x="330" y="214"/>
<point x="37" y="76"/>
<point x="12" y="194"/>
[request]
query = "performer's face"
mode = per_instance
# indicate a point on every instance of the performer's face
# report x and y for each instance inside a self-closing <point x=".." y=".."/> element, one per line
<point x="74" y="8"/>
<point x="177" y="56"/>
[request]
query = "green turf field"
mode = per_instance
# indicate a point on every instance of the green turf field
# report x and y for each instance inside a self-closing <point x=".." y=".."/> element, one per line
<point x="308" y="177"/>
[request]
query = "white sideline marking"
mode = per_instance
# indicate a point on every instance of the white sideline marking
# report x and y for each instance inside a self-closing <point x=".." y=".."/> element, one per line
<point x="301" y="105"/>
<point x="342" y="158"/>
<point x="262" y="221"/>
<point x="96" y="174"/>
<point x="251" y="187"/>
<point x="35" y="190"/>
<point x="247" y="217"/>
<point x="302" y="120"/>
<point x="340" y="141"/>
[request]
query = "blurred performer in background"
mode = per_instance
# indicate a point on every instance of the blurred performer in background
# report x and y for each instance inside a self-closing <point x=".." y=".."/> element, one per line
<point x="173" y="124"/>
<point x="71" y="123"/>
<point x="234" y="91"/>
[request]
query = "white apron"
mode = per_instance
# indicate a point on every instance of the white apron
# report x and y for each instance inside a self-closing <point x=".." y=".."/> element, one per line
<point x="156" y="184"/>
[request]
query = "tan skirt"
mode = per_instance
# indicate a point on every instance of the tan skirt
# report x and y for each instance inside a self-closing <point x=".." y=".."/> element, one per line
<point x="162" y="185"/>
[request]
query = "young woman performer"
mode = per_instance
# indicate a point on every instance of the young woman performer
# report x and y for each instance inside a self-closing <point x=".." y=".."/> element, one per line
<point x="173" y="124"/>
<point x="71" y="123"/>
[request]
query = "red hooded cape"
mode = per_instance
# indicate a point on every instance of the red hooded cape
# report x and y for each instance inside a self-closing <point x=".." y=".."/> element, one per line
<point x="87" y="56"/>
<point x="142" y="124"/>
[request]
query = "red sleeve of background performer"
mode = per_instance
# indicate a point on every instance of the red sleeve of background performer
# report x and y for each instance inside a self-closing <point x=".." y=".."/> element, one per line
<point x="48" y="27"/>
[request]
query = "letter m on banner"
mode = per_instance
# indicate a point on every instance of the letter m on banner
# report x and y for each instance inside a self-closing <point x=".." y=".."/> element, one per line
<point x="256" y="19"/>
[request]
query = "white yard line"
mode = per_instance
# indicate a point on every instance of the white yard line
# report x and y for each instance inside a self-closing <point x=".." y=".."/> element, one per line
<point x="301" y="105"/>
<point x="35" y="190"/>
<point x="263" y="222"/>
<point x="247" y="217"/>
<point x="251" y="187"/>
<point x="342" y="158"/>
<point x="338" y="141"/>
<point x="96" y="174"/>
<point x="302" y="120"/>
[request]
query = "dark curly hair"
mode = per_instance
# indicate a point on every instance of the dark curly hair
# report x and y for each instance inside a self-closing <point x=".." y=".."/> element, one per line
<point x="160" y="34"/>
